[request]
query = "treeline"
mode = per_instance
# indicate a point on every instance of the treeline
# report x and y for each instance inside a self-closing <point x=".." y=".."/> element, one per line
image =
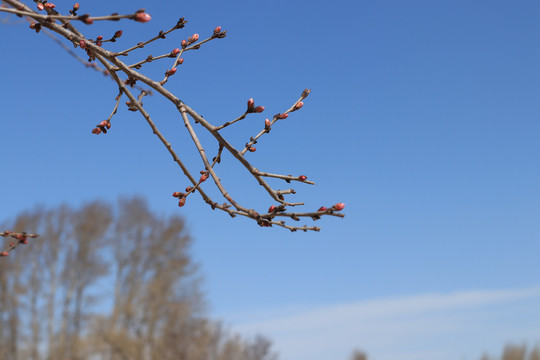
<point x="112" y="283"/>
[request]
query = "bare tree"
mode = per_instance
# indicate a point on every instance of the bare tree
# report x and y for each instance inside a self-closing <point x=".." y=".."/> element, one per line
<point x="127" y="76"/>
<point x="111" y="283"/>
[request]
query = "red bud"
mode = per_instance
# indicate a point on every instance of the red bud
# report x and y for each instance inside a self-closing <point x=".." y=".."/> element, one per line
<point x="283" y="116"/>
<point x="184" y="43"/>
<point x="250" y="103"/>
<point x="217" y="29"/>
<point x="96" y="131"/>
<point x="176" y="194"/>
<point x="4" y="253"/>
<point x="339" y="206"/>
<point x="180" y="61"/>
<point x="76" y="7"/>
<point x="175" y="51"/>
<point x="40" y="6"/>
<point x="170" y="72"/>
<point x="194" y="38"/>
<point x="99" y="38"/>
<point x="50" y="5"/>
<point x="118" y="34"/>
<point x="259" y="109"/>
<point x="302" y="178"/>
<point x="87" y="19"/>
<point x="272" y="209"/>
<point x="103" y="123"/>
<point x="298" y="105"/>
<point x="142" y="17"/>
<point x="267" y="123"/>
<point x="322" y="208"/>
<point x="82" y="44"/>
<point x="182" y="202"/>
<point x="189" y="188"/>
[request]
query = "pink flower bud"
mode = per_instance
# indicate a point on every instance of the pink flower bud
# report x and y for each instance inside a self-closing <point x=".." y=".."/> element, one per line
<point x="250" y="103"/>
<point x="184" y="43"/>
<point x="283" y="116"/>
<point x="180" y="61"/>
<point x="117" y="34"/>
<point x="170" y="72"/>
<point x="189" y="188"/>
<point x="302" y="178"/>
<point x="182" y="202"/>
<point x="322" y="208"/>
<point x="40" y="6"/>
<point x="252" y="149"/>
<point x="142" y="17"/>
<point x="176" y="194"/>
<point x="103" y="123"/>
<point x="217" y="29"/>
<point x="175" y="51"/>
<point x="76" y="7"/>
<point x="96" y="131"/>
<point x="272" y="209"/>
<point x="266" y="123"/>
<point x="298" y="105"/>
<point x="339" y="206"/>
<point x="99" y="38"/>
<point x="203" y="177"/>
<point x="4" y="253"/>
<point x="82" y="44"/>
<point x="87" y="19"/>
<point x="259" y="109"/>
<point x="50" y="6"/>
<point x="194" y="38"/>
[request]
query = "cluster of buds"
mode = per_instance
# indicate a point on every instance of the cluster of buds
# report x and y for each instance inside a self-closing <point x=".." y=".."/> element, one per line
<point x="336" y="207"/>
<point x="251" y="108"/>
<point x="99" y="40"/>
<point x="193" y="38"/>
<point x="181" y="196"/>
<point x="218" y="33"/>
<point x="102" y="127"/>
<point x="22" y="238"/>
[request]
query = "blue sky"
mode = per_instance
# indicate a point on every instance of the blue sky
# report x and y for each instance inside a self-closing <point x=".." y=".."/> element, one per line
<point x="423" y="119"/>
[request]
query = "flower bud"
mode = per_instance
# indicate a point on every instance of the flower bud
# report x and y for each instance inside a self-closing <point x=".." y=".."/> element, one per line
<point x="87" y="19"/>
<point x="272" y="209"/>
<point x="189" y="188"/>
<point x="266" y="123"/>
<point x="217" y="29"/>
<point x="180" y="61"/>
<point x="76" y="7"/>
<point x="259" y="109"/>
<point x="176" y="194"/>
<point x="203" y="177"/>
<point x="252" y="149"/>
<point x="142" y="17"/>
<point x="250" y="103"/>
<point x="117" y="34"/>
<point x="96" y="131"/>
<point x="338" y="206"/>
<point x="82" y="44"/>
<point x="322" y="208"/>
<point x="298" y="105"/>
<point x="194" y="38"/>
<point x="283" y="116"/>
<point x="302" y="178"/>
<point x="175" y="51"/>
<point x="182" y="202"/>
<point x="183" y="43"/>
<point x="49" y="6"/>
<point x="170" y="72"/>
<point x="103" y="123"/>
<point x="40" y="6"/>
<point x="4" y="253"/>
<point x="99" y="38"/>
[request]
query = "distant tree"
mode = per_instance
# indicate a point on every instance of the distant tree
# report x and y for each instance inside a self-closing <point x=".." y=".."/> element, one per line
<point x="110" y="283"/>
<point x="516" y="352"/>
<point x="358" y="355"/>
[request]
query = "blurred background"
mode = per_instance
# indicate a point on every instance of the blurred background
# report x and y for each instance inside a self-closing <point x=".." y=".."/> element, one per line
<point x="423" y="120"/>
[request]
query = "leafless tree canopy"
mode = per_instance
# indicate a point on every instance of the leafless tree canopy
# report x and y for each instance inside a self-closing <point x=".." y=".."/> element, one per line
<point x="111" y="283"/>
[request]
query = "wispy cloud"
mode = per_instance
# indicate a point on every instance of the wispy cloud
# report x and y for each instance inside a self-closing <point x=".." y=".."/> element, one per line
<point x="456" y="325"/>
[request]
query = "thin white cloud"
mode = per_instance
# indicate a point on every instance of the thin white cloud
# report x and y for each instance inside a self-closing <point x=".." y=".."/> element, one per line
<point x="428" y="326"/>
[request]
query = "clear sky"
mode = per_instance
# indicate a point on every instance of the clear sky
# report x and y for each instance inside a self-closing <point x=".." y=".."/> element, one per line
<point x="423" y="119"/>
